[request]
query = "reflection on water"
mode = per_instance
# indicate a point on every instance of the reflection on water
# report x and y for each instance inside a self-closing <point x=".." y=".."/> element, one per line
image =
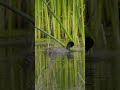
<point x="103" y="70"/>
<point x="58" y="71"/>
<point x="16" y="72"/>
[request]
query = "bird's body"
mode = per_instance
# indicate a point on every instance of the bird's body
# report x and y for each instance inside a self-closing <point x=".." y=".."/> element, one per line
<point x="60" y="50"/>
<point x="88" y="43"/>
<point x="57" y="50"/>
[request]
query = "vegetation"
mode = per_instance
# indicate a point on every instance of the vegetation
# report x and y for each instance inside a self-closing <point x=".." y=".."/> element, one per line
<point x="16" y="16"/>
<point x="62" y="19"/>
<point x="15" y="31"/>
<point x="59" y="20"/>
<point x="102" y="23"/>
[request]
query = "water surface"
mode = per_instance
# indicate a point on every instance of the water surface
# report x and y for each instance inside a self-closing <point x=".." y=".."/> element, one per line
<point x="58" y="71"/>
<point x="16" y="72"/>
<point x="103" y="70"/>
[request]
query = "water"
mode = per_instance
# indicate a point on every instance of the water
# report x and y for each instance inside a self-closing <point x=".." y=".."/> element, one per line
<point x="16" y="73"/>
<point x="58" y="71"/>
<point x="103" y="70"/>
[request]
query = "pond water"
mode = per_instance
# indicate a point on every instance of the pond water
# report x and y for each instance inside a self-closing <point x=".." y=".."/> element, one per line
<point x="58" y="71"/>
<point x="100" y="70"/>
<point x="103" y="70"/>
<point x="16" y="72"/>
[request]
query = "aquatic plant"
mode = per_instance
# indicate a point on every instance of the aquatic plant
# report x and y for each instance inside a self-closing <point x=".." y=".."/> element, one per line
<point x="62" y="19"/>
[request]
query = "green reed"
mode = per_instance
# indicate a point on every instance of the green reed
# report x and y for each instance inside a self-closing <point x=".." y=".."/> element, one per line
<point x="63" y="19"/>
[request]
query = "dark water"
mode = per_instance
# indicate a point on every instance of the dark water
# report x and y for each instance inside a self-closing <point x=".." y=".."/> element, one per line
<point x="16" y="70"/>
<point x="58" y="71"/>
<point x="103" y="70"/>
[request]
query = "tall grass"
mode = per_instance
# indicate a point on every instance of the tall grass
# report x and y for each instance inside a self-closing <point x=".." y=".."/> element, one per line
<point x="103" y="24"/>
<point x="63" y="19"/>
<point x="59" y="19"/>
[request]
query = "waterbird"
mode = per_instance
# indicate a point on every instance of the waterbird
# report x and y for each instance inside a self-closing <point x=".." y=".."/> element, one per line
<point x="60" y="50"/>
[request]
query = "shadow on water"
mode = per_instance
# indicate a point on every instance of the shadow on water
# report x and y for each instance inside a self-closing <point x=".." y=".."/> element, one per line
<point x="103" y="70"/>
<point x="58" y="71"/>
<point x="16" y="70"/>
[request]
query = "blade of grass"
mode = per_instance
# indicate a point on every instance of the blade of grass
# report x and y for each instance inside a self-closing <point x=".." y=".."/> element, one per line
<point x="50" y="36"/>
<point x="58" y="21"/>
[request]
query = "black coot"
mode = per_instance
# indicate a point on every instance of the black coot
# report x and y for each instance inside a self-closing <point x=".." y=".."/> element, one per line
<point x="88" y="43"/>
<point x="69" y="45"/>
<point x="60" y="50"/>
